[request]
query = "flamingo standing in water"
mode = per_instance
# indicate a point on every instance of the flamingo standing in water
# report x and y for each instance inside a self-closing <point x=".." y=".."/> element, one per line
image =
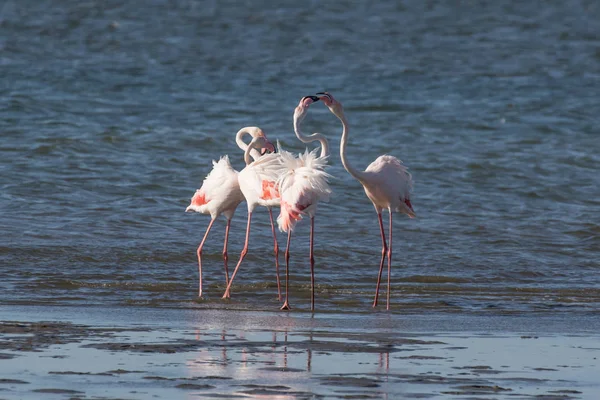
<point x="302" y="186"/>
<point x="258" y="183"/>
<point x="220" y="192"/>
<point x="387" y="184"/>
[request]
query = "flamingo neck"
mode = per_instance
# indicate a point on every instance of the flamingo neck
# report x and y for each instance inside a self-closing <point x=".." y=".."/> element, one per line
<point x="312" y="138"/>
<point x="243" y="146"/>
<point x="344" y="141"/>
<point x="254" y="144"/>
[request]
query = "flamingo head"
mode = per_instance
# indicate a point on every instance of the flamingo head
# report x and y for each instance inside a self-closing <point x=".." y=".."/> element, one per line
<point x="267" y="148"/>
<point x="333" y="105"/>
<point x="261" y="141"/>
<point x="302" y="108"/>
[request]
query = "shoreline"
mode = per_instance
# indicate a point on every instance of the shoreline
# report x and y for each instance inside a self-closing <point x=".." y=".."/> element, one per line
<point x="283" y="355"/>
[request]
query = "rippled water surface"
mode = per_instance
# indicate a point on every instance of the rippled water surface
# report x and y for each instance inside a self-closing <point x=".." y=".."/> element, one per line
<point x="110" y="113"/>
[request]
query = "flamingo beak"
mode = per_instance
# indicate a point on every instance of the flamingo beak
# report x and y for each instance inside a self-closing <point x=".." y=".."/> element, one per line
<point x="327" y="99"/>
<point x="308" y="100"/>
<point x="268" y="148"/>
<point x="313" y="98"/>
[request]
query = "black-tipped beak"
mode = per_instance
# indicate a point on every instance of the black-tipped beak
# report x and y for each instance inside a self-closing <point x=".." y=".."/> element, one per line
<point x="324" y="94"/>
<point x="313" y="98"/>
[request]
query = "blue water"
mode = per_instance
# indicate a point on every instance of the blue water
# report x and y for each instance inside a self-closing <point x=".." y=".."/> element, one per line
<point x="111" y="112"/>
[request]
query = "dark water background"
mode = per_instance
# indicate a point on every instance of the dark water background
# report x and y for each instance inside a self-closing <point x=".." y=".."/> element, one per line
<point x="111" y="111"/>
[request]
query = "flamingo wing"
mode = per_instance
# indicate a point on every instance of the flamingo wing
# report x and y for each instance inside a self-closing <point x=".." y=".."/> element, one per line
<point x="392" y="182"/>
<point x="218" y="185"/>
<point x="301" y="189"/>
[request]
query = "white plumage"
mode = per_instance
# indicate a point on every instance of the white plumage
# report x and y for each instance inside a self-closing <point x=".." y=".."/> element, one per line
<point x="388" y="184"/>
<point x="220" y="191"/>
<point x="258" y="182"/>
<point x="302" y="185"/>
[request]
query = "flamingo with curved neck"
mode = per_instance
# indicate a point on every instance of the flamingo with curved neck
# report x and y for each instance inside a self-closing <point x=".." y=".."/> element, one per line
<point x="302" y="186"/>
<point x="387" y="183"/>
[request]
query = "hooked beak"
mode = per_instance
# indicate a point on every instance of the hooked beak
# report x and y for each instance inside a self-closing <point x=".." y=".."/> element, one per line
<point x="326" y="98"/>
<point x="313" y="98"/>
<point x="268" y="148"/>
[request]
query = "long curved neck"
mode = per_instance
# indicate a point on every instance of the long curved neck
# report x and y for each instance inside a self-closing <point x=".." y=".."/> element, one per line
<point x="312" y="138"/>
<point x="248" y="152"/>
<point x="344" y="141"/>
<point x="242" y="145"/>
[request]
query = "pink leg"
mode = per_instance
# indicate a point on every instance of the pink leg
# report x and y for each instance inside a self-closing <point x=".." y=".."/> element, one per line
<point x="276" y="250"/>
<point x="244" y="252"/>
<point x="286" y="305"/>
<point x="383" y="253"/>
<point x="199" y="252"/>
<point x="312" y="264"/>
<point x="389" y="254"/>
<point x="225" y="257"/>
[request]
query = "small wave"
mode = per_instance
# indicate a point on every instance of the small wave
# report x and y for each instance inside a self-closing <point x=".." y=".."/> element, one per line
<point x="435" y="279"/>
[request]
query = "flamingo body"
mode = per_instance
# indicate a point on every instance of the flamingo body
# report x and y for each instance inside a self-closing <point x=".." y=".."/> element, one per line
<point x="302" y="186"/>
<point x="220" y="192"/>
<point x="387" y="184"/>
<point x="257" y="182"/>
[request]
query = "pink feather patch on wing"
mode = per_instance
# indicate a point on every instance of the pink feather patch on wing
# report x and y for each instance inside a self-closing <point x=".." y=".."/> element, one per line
<point x="289" y="216"/>
<point x="199" y="199"/>
<point x="269" y="190"/>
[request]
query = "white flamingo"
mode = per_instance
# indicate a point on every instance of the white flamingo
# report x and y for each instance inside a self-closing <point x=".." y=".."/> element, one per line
<point x="302" y="186"/>
<point x="387" y="184"/>
<point x="220" y="192"/>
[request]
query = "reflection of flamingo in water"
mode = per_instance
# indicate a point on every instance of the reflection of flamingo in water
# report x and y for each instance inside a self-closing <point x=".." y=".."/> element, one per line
<point x="220" y="192"/>
<point x="302" y="186"/>
<point x="387" y="184"/>
<point x="258" y="184"/>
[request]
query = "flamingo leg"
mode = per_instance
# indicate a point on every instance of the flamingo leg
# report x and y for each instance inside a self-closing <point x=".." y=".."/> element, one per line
<point x="312" y="264"/>
<point x="383" y="253"/>
<point x="244" y="252"/>
<point x="389" y="256"/>
<point x="225" y="257"/>
<point x="276" y="251"/>
<point x="199" y="253"/>
<point x="286" y="305"/>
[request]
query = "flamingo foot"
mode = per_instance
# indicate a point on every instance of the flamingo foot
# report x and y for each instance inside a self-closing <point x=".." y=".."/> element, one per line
<point x="285" y="306"/>
<point x="226" y="295"/>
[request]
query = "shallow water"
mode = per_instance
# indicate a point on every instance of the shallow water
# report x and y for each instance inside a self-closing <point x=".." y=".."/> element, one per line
<point x="138" y="353"/>
<point x="111" y="113"/>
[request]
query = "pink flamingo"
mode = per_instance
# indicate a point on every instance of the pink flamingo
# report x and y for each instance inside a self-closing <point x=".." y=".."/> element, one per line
<point x="387" y="184"/>
<point x="220" y="192"/>
<point x="302" y="186"/>
<point x="258" y="183"/>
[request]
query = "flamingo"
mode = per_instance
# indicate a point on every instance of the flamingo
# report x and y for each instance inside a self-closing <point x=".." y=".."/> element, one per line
<point x="258" y="183"/>
<point x="387" y="183"/>
<point x="220" y="192"/>
<point x="302" y="186"/>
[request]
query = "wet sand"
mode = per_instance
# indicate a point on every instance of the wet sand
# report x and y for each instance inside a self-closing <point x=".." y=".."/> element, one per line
<point x="142" y="354"/>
